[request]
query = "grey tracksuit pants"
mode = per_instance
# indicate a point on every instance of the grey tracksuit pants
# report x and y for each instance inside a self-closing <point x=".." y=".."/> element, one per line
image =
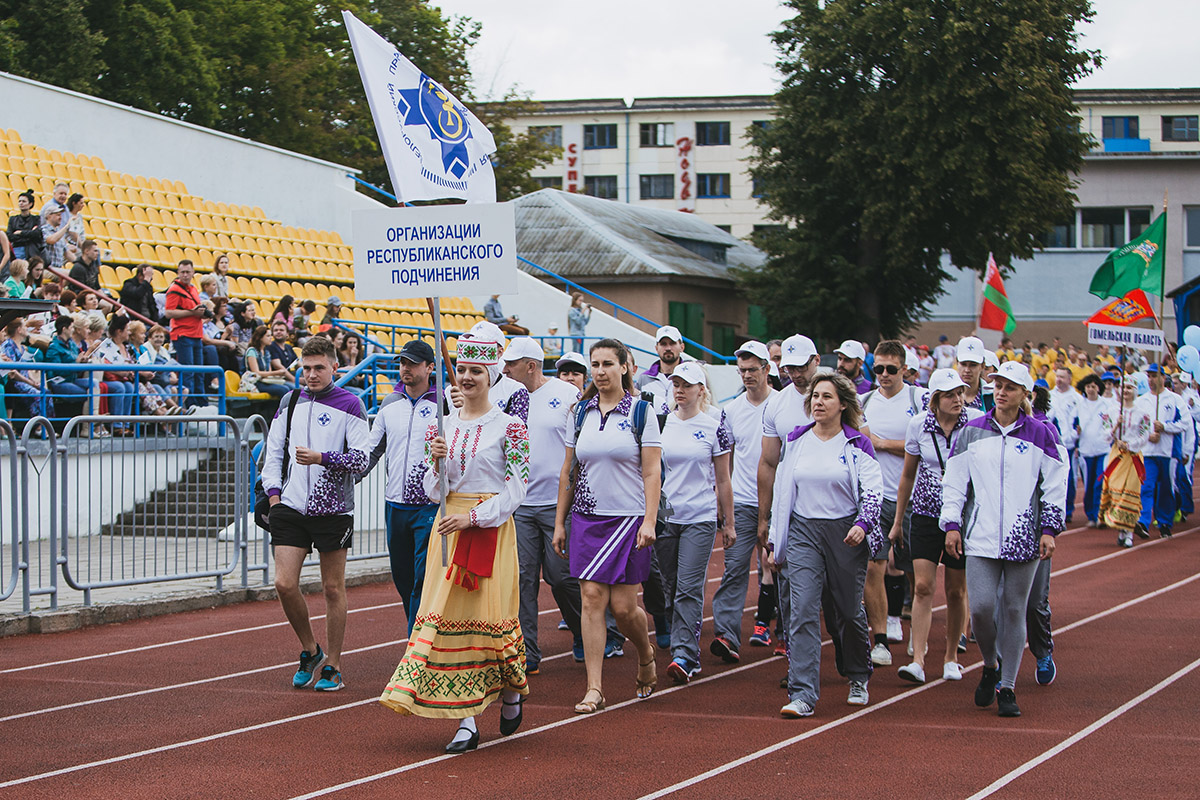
<point x="683" y="552"/>
<point x="819" y="561"/>
<point x="730" y="600"/>
<point x="998" y="615"/>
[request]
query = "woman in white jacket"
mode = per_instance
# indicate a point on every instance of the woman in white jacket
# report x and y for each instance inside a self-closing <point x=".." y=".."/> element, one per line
<point x="828" y="493"/>
<point x="1095" y="416"/>
<point x="1002" y="505"/>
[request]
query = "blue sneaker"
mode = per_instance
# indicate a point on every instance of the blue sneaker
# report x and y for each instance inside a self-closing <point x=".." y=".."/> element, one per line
<point x="761" y="636"/>
<point x="577" y="651"/>
<point x="331" y="680"/>
<point x="309" y="664"/>
<point x="614" y="649"/>
<point x="562" y="625"/>
<point x="680" y="671"/>
<point x="1046" y="670"/>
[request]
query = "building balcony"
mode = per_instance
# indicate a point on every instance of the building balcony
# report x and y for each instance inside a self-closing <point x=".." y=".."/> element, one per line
<point x="1126" y="145"/>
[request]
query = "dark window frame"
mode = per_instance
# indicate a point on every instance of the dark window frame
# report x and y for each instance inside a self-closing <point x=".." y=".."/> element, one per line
<point x="655" y="183"/>
<point x="656" y="134"/>
<point x="712" y="134"/>
<point x="705" y="189"/>
<point x="591" y="182"/>
<point x="1126" y="126"/>
<point x="593" y="140"/>
<point x="1190" y="126"/>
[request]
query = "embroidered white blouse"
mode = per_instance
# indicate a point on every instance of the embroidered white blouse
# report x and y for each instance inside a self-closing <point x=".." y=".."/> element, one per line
<point x="488" y="455"/>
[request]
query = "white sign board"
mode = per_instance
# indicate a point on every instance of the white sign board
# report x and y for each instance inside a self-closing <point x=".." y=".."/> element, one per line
<point x="1121" y="336"/>
<point x="435" y="251"/>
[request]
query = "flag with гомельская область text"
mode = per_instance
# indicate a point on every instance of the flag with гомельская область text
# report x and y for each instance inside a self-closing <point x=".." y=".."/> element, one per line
<point x="1135" y="265"/>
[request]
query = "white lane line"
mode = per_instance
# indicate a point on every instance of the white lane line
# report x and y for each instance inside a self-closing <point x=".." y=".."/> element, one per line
<point x="1032" y="763"/>
<point x="766" y="751"/>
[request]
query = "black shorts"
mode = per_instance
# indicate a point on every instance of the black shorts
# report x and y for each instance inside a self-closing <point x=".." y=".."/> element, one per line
<point x="928" y="542"/>
<point x="887" y="517"/>
<point x="327" y="534"/>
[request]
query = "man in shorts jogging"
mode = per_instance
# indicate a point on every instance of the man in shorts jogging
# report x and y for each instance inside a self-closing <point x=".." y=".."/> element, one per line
<point x="310" y="483"/>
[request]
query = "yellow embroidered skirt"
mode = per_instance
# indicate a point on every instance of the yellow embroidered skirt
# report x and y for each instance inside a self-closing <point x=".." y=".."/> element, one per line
<point x="1121" y="492"/>
<point x="466" y="646"/>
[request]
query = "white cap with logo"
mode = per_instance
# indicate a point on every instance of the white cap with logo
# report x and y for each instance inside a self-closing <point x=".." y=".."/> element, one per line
<point x="797" y="351"/>
<point x="689" y="372"/>
<point x="1016" y="372"/>
<point x="945" y="380"/>
<point x="852" y="349"/>
<point x="753" y="348"/>
<point x="523" y="347"/>
<point x="668" y="332"/>
<point x="970" y="348"/>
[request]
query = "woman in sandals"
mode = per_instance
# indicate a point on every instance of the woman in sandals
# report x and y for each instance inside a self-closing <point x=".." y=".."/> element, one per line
<point x="930" y="440"/>
<point x="612" y="494"/>
<point x="466" y="648"/>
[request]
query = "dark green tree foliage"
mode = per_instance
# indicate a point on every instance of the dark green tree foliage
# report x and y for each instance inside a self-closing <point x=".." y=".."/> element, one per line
<point x="279" y="72"/>
<point x="906" y="130"/>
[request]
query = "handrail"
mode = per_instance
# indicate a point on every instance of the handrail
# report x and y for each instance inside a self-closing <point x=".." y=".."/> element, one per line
<point x="106" y="298"/>
<point x="383" y="192"/>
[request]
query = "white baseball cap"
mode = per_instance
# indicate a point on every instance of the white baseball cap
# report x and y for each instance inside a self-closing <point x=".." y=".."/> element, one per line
<point x="668" y="332"/>
<point x="1013" y="371"/>
<point x="797" y="350"/>
<point x="523" y="347"/>
<point x="911" y="360"/>
<point x="689" y="371"/>
<point x="1184" y="377"/>
<point x="945" y="380"/>
<point x="753" y="348"/>
<point x="970" y="348"/>
<point x="572" y="358"/>
<point x="487" y="331"/>
<point x="852" y="349"/>
<point x="990" y="359"/>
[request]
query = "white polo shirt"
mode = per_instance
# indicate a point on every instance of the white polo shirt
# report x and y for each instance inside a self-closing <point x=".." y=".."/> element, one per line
<point x="689" y="447"/>
<point x="551" y="427"/>
<point x="745" y="421"/>
<point x="888" y="418"/>
<point x="610" y="480"/>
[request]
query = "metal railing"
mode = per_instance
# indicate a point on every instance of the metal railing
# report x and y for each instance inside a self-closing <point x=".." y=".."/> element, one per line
<point x="83" y="515"/>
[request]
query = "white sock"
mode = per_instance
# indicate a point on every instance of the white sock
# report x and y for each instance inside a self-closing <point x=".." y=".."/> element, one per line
<point x="510" y="705"/>
<point x="466" y="727"/>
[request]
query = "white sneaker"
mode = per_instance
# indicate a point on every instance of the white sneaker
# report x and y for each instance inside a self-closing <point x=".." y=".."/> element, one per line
<point x="910" y="647"/>
<point x="880" y="656"/>
<point x="858" y="694"/>
<point x="895" y="631"/>
<point x="952" y="671"/>
<point x="796" y="709"/>
<point x="912" y="672"/>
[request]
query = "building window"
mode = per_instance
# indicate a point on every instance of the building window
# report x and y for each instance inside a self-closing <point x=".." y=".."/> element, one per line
<point x="1181" y="129"/>
<point x="1119" y="128"/>
<point x="1192" y="226"/>
<point x="599" y="137"/>
<point x="657" y="187"/>
<point x="549" y="183"/>
<point x="726" y="228"/>
<point x="755" y="189"/>
<point x="550" y="134"/>
<point x="712" y="133"/>
<point x="1139" y="220"/>
<point x="602" y="186"/>
<point x="658" y="134"/>
<point x="712" y="184"/>
<point x="1061" y="235"/>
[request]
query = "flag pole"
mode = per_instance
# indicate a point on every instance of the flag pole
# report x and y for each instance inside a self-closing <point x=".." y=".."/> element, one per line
<point x="435" y="305"/>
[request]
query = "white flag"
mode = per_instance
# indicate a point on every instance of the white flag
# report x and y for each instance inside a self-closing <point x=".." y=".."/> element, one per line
<point x="434" y="147"/>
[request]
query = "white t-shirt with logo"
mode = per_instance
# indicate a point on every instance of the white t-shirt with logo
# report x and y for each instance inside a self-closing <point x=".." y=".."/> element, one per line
<point x="888" y="418"/>
<point x="745" y="421"/>
<point x="690" y="481"/>
<point x="551" y="427"/>
<point x="610" y="481"/>
<point x="784" y="413"/>
<point x="822" y="478"/>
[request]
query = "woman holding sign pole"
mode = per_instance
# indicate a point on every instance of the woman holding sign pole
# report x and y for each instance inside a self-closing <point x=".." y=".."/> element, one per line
<point x="466" y="648"/>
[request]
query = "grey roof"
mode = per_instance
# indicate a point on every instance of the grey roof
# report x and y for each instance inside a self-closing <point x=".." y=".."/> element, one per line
<point x="579" y="236"/>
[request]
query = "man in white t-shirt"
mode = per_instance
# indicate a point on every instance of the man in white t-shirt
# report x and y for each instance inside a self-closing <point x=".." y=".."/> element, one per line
<point x="744" y="416"/>
<point x="550" y="427"/>
<point x="943" y="354"/>
<point x="887" y="412"/>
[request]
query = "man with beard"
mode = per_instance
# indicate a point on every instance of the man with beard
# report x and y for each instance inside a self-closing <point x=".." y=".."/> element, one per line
<point x="850" y="358"/>
<point x="657" y="379"/>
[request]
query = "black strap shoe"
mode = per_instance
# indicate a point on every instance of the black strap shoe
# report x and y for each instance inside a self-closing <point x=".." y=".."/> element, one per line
<point x="464" y="745"/>
<point x="509" y="726"/>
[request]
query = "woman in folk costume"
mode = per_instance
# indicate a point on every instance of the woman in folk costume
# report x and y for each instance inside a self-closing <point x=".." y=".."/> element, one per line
<point x="1121" y="493"/>
<point x="466" y="647"/>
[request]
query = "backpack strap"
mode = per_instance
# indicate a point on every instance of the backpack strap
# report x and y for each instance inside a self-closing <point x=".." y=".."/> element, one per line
<point x="641" y="411"/>
<point x="580" y="415"/>
<point x="912" y="399"/>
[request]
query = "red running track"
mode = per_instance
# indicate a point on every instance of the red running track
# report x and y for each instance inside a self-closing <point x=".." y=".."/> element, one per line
<point x="199" y="705"/>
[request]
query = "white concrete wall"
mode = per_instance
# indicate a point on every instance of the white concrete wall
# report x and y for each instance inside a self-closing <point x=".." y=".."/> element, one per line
<point x="290" y="187"/>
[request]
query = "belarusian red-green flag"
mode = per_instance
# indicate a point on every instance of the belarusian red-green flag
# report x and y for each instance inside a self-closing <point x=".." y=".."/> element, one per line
<point x="996" y="314"/>
<point x="1136" y="265"/>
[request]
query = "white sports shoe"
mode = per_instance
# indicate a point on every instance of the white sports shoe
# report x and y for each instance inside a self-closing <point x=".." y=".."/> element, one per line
<point x="796" y="709"/>
<point x="880" y="656"/>
<point x="895" y="631"/>
<point x="952" y="671"/>
<point x="858" y="694"/>
<point x="912" y="672"/>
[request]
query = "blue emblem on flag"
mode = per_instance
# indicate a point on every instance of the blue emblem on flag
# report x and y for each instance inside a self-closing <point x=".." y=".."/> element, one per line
<point x="432" y="107"/>
<point x="324" y="419"/>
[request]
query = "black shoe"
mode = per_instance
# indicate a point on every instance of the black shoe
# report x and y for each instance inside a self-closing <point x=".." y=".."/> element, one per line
<point x="464" y="745"/>
<point x="1007" y="702"/>
<point x="783" y="682"/>
<point x="509" y="726"/>
<point x="1142" y="531"/>
<point x="985" y="692"/>
<point x="1164" y="531"/>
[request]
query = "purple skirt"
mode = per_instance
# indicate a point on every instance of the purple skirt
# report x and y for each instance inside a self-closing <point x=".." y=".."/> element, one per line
<point x="603" y="550"/>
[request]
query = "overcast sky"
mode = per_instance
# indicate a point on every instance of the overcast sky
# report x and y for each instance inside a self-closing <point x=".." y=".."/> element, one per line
<point x="557" y="49"/>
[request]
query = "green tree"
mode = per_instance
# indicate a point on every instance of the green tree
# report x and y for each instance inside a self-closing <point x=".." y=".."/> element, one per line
<point x="905" y="130"/>
<point x="30" y="36"/>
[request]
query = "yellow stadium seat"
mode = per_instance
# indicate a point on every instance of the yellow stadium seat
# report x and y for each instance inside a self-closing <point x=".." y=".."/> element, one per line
<point x="123" y="274"/>
<point x="233" y="388"/>
<point x="128" y="233"/>
<point x="273" y="266"/>
<point x="163" y="255"/>
<point x="94" y="160"/>
<point x="118" y="252"/>
<point x="153" y="216"/>
<point x="194" y="255"/>
<point x="272" y="287"/>
<point x="140" y="182"/>
<point x="178" y="255"/>
<point x="159" y="281"/>
<point x="260" y="289"/>
<point x="12" y="135"/>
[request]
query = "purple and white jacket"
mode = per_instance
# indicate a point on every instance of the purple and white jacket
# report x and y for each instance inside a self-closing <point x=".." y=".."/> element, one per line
<point x="334" y="423"/>
<point x="1003" y="491"/>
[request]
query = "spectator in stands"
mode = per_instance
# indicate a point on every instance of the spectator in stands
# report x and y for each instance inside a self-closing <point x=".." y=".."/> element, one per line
<point x="155" y="351"/>
<point x="119" y="383"/>
<point x="245" y="320"/>
<point x="51" y="291"/>
<point x="258" y="364"/>
<point x="495" y="315"/>
<point x="18" y="271"/>
<point x="187" y="312"/>
<point x="58" y="199"/>
<point x="90" y="301"/>
<point x="54" y="239"/>
<point x="87" y="272"/>
<point x="137" y="292"/>
<point x="337" y="336"/>
<point x="578" y="316"/>
<point x="67" y="387"/>
<point x="221" y="273"/>
<point x="24" y="229"/>
<point x="208" y="287"/>
<point x="76" y="234"/>
<point x="156" y="398"/>
<point x="213" y="335"/>
<point x="37" y="277"/>
<point x="280" y="354"/>
<point x="333" y="308"/>
<point x="552" y="344"/>
<point x="5" y="255"/>
<point x="302" y="320"/>
<point x="25" y="386"/>
<point x="285" y="311"/>
<point x="69" y="301"/>
<point x="350" y="355"/>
